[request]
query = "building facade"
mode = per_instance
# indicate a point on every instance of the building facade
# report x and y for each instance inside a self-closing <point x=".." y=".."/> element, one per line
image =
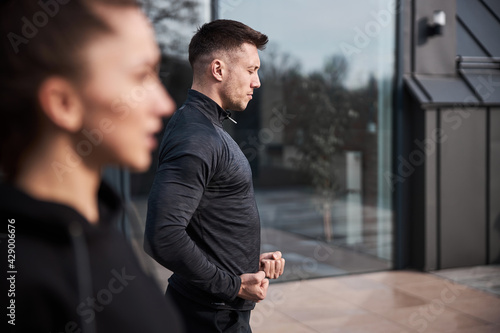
<point x="448" y="156"/>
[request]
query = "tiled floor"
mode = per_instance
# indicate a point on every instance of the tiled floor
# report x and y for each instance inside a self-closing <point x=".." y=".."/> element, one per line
<point x="485" y="278"/>
<point x="385" y="302"/>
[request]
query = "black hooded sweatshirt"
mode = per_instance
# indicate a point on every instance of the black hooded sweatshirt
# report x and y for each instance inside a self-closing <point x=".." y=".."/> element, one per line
<point x="72" y="276"/>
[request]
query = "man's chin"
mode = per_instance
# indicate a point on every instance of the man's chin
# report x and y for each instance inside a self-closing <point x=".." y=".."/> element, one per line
<point x="240" y="108"/>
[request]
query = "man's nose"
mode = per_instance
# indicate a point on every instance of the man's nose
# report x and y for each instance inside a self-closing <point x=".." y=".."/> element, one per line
<point x="255" y="82"/>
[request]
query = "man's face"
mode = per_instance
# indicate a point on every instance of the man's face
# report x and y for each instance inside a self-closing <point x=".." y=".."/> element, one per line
<point x="123" y="98"/>
<point x="242" y="78"/>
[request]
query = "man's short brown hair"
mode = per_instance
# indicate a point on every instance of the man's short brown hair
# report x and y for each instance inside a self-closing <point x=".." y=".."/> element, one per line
<point x="225" y="36"/>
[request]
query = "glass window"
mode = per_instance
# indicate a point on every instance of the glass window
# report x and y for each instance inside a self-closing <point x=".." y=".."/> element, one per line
<point x="318" y="132"/>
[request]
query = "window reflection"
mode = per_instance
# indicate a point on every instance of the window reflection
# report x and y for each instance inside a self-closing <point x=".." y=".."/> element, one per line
<point x="318" y="132"/>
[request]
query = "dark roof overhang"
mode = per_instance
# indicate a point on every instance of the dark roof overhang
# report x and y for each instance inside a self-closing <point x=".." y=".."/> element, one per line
<point x="475" y="84"/>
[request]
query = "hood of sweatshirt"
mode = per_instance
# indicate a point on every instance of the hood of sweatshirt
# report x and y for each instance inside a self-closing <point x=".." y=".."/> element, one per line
<point x="56" y="223"/>
<point x="50" y="220"/>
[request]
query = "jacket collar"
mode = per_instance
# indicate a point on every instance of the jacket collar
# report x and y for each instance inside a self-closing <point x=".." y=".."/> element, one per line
<point x="208" y="107"/>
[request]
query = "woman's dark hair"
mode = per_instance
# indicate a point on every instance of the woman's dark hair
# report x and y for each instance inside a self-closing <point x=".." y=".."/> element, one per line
<point x="39" y="39"/>
<point x="223" y="35"/>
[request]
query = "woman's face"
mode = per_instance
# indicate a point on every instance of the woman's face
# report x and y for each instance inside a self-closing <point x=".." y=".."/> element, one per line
<point x="123" y="98"/>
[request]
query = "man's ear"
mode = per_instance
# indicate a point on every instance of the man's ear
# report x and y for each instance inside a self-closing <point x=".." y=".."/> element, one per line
<point x="61" y="103"/>
<point x="217" y="69"/>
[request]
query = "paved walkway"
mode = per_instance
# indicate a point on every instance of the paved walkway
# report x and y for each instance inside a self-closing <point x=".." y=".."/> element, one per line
<point x="385" y="302"/>
<point x="382" y="302"/>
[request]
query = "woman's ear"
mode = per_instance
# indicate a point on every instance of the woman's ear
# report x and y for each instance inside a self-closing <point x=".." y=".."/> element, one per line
<point x="61" y="103"/>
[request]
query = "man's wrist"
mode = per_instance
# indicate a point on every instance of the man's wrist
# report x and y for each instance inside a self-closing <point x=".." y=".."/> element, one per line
<point x="238" y="289"/>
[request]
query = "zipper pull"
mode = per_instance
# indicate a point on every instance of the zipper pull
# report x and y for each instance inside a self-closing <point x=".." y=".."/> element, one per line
<point x="228" y="115"/>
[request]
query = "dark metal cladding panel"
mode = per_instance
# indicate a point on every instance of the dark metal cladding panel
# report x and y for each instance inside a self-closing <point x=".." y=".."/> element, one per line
<point x="466" y="45"/>
<point x="405" y="10"/>
<point x="486" y="83"/>
<point x="494" y="6"/>
<point x="431" y="200"/>
<point x="494" y="181"/>
<point x="447" y="90"/>
<point x="415" y="90"/>
<point x="463" y="188"/>
<point x="482" y="23"/>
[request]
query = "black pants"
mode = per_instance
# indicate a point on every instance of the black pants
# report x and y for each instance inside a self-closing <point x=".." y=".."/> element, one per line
<point x="203" y="319"/>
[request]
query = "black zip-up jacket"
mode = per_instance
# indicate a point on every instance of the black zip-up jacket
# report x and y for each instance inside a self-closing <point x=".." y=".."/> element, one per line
<point x="202" y="220"/>
<point x="73" y="276"/>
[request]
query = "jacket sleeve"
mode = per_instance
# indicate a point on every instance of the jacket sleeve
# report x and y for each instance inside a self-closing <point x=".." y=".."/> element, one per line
<point x="182" y="176"/>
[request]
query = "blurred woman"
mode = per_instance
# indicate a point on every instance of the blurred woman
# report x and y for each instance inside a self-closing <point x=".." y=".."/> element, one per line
<point x="78" y="91"/>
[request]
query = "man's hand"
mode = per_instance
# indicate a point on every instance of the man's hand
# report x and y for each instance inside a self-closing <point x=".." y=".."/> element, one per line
<point x="272" y="264"/>
<point x="253" y="286"/>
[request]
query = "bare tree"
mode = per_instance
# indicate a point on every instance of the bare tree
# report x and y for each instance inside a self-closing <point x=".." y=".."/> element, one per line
<point x="321" y="127"/>
<point x="175" y="22"/>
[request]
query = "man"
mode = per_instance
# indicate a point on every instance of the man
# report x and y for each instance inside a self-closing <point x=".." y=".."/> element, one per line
<point x="78" y="92"/>
<point x="202" y="221"/>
